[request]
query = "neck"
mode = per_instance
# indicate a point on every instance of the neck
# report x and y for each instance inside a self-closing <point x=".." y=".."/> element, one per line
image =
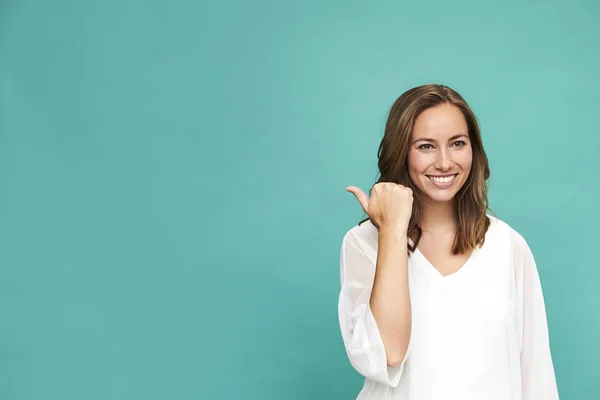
<point x="437" y="217"/>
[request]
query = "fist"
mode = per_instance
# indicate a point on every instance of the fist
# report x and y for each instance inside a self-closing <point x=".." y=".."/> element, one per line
<point x="390" y="204"/>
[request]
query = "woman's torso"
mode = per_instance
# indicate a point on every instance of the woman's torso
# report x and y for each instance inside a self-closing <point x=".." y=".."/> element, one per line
<point x="464" y="336"/>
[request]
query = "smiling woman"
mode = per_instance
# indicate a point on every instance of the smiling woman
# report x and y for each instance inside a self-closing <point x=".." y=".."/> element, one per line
<point x="440" y="300"/>
<point x="443" y="161"/>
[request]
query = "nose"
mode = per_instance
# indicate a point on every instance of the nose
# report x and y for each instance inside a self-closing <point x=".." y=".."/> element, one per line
<point x="443" y="160"/>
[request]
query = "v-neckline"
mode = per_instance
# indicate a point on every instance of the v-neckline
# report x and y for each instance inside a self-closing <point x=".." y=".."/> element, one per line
<point x="429" y="268"/>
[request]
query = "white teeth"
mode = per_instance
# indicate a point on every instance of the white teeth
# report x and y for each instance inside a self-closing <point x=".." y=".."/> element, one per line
<point x="442" y="180"/>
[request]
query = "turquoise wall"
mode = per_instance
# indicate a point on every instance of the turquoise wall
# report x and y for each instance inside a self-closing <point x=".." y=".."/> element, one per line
<point x="172" y="182"/>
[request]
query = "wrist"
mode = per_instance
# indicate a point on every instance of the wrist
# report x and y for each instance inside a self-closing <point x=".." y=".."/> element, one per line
<point x="399" y="231"/>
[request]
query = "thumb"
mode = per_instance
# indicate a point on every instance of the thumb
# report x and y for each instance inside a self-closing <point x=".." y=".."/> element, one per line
<point x="361" y="196"/>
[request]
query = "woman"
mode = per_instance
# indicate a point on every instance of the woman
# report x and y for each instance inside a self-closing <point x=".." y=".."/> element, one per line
<point x="440" y="300"/>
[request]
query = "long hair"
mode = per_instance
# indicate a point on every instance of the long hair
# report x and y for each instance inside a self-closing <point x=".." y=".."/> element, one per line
<point x="470" y="202"/>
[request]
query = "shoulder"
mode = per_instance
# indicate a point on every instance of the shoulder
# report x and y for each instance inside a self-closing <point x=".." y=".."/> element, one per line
<point x="507" y="234"/>
<point x="358" y="254"/>
<point x="365" y="235"/>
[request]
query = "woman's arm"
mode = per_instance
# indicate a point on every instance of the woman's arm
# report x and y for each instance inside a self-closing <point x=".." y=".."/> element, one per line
<point x="538" y="381"/>
<point x="390" y="299"/>
<point x="362" y="338"/>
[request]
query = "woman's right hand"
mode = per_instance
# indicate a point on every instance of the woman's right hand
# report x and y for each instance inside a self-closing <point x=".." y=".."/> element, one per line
<point x="390" y="204"/>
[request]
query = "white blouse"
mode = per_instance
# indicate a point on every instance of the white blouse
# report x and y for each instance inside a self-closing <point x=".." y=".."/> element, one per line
<point x="480" y="333"/>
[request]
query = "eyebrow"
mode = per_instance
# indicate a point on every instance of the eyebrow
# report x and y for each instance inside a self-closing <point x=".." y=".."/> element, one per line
<point x="433" y="141"/>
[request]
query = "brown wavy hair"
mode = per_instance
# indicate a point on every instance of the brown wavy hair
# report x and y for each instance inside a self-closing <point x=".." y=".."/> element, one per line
<point x="470" y="202"/>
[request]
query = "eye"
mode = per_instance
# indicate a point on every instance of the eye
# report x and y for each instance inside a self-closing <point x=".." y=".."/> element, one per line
<point x="461" y="141"/>
<point x="421" y="146"/>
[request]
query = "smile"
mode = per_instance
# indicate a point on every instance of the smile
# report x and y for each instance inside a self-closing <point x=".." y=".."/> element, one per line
<point x="442" y="181"/>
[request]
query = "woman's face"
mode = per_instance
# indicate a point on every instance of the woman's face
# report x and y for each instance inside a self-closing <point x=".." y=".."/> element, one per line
<point x="440" y="147"/>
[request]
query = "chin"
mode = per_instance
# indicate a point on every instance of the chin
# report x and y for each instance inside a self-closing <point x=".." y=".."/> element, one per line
<point x="439" y="195"/>
<point x="439" y="198"/>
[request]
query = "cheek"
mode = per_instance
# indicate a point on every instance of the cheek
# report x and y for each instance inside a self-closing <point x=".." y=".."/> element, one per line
<point x="465" y="160"/>
<point x="417" y="162"/>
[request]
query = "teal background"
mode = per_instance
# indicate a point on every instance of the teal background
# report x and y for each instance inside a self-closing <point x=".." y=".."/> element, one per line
<point x="172" y="182"/>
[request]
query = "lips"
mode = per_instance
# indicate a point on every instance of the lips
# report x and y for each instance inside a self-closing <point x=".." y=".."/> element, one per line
<point x="448" y="180"/>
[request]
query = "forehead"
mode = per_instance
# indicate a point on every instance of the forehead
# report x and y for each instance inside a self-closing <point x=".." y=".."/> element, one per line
<point x="442" y="121"/>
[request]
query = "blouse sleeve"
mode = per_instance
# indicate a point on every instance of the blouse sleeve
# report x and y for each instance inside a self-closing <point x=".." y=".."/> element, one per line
<point x="360" y="333"/>
<point x="538" y="380"/>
